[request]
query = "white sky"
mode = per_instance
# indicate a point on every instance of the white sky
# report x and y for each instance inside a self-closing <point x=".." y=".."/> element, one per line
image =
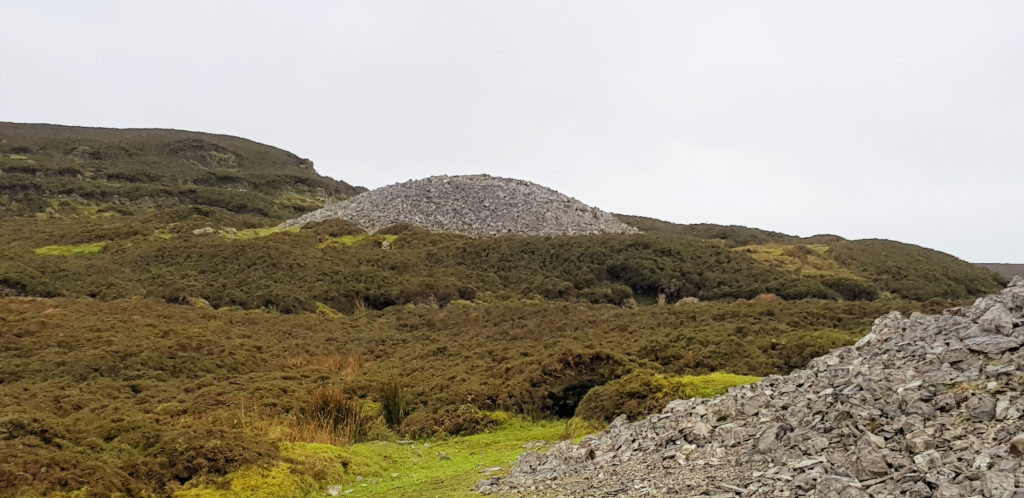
<point x="900" y="120"/>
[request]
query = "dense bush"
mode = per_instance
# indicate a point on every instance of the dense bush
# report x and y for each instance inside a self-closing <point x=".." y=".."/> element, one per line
<point x="851" y="289"/>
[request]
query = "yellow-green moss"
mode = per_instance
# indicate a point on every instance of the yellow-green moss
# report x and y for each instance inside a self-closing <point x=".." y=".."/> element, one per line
<point x="578" y="427"/>
<point x="701" y="386"/>
<point x="643" y="392"/>
<point x="812" y="260"/>
<point x="348" y="240"/>
<point x="71" y="250"/>
<point x="327" y="311"/>
<point x="278" y="481"/>
<point x="299" y="202"/>
<point x="255" y="233"/>
<point x="390" y="469"/>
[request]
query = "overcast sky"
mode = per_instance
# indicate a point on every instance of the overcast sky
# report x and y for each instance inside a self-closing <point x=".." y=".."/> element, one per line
<point x="898" y="120"/>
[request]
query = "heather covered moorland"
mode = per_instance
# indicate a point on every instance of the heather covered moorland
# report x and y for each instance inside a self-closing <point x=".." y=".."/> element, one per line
<point x="162" y="333"/>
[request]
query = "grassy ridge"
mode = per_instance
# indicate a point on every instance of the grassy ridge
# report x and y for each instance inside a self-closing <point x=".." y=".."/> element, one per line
<point x="49" y="168"/>
<point x="158" y="255"/>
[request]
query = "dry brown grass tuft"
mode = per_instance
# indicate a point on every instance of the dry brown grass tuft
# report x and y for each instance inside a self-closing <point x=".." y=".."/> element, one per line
<point x="347" y="363"/>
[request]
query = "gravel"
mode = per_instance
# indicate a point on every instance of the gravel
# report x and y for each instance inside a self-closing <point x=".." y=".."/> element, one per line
<point x="926" y="405"/>
<point x="478" y="205"/>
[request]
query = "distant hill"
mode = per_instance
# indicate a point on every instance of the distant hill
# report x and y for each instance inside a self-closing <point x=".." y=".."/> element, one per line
<point x="70" y="169"/>
<point x="733" y="235"/>
<point x="904" y="270"/>
<point x="187" y="216"/>
<point x="1005" y="269"/>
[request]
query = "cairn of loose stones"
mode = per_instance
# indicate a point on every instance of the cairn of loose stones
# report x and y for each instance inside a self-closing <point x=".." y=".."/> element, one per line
<point x="478" y="205"/>
<point x="925" y="405"/>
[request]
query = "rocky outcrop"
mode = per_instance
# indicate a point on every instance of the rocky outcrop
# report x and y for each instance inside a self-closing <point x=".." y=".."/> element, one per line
<point x="472" y="205"/>
<point x="929" y="405"/>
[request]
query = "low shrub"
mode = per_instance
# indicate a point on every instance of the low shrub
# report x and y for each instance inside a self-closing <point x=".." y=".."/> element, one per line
<point x="338" y="413"/>
<point x="394" y="403"/>
<point x="851" y="289"/>
<point x="335" y="227"/>
<point x="644" y="392"/>
<point x="578" y="427"/>
<point x="448" y="421"/>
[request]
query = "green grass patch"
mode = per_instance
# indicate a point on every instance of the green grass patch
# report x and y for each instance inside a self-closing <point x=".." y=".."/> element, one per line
<point x="255" y="233"/>
<point x="578" y="427"/>
<point x="349" y="240"/>
<point x="390" y="469"/>
<point x="344" y="240"/>
<point x="701" y="386"/>
<point x="327" y="311"/>
<point x="299" y="202"/>
<point x="71" y="250"/>
<point x="809" y="260"/>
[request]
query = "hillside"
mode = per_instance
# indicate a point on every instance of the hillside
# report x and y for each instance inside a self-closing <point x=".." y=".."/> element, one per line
<point x="165" y="330"/>
<point x="847" y="265"/>
<point x="1005" y="269"/>
<point x="341" y="266"/>
<point x="68" y="169"/>
<point x="139" y="396"/>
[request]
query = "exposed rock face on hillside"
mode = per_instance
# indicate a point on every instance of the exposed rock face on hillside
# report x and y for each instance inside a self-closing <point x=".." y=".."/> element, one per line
<point x="472" y="205"/>
<point x="928" y="405"/>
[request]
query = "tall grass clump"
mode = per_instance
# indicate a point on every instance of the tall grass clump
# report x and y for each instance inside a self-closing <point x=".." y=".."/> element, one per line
<point x="394" y="403"/>
<point x="332" y="411"/>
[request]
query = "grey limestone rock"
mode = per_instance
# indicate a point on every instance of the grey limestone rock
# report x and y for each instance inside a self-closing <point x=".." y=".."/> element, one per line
<point x="479" y="205"/>
<point x="919" y="407"/>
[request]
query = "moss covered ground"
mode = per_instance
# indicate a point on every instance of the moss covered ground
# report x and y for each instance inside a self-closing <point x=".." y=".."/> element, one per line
<point x="386" y="468"/>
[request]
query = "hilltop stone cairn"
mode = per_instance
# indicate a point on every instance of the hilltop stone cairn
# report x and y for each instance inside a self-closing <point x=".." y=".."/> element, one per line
<point x="926" y="405"/>
<point x="479" y="205"/>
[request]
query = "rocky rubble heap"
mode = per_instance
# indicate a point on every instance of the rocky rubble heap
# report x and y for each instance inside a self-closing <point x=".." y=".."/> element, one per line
<point x="472" y="205"/>
<point x="928" y="405"/>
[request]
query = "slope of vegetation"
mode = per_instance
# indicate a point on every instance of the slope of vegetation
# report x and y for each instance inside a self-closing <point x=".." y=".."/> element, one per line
<point x="160" y="333"/>
<point x="49" y="168"/>
<point x="138" y="396"/>
<point x="858" y="269"/>
<point x="158" y="255"/>
<point x="731" y="235"/>
<point x="913" y="272"/>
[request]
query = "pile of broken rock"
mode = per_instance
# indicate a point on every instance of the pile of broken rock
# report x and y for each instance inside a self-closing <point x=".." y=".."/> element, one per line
<point x="479" y="205"/>
<point x="928" y="405"/>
